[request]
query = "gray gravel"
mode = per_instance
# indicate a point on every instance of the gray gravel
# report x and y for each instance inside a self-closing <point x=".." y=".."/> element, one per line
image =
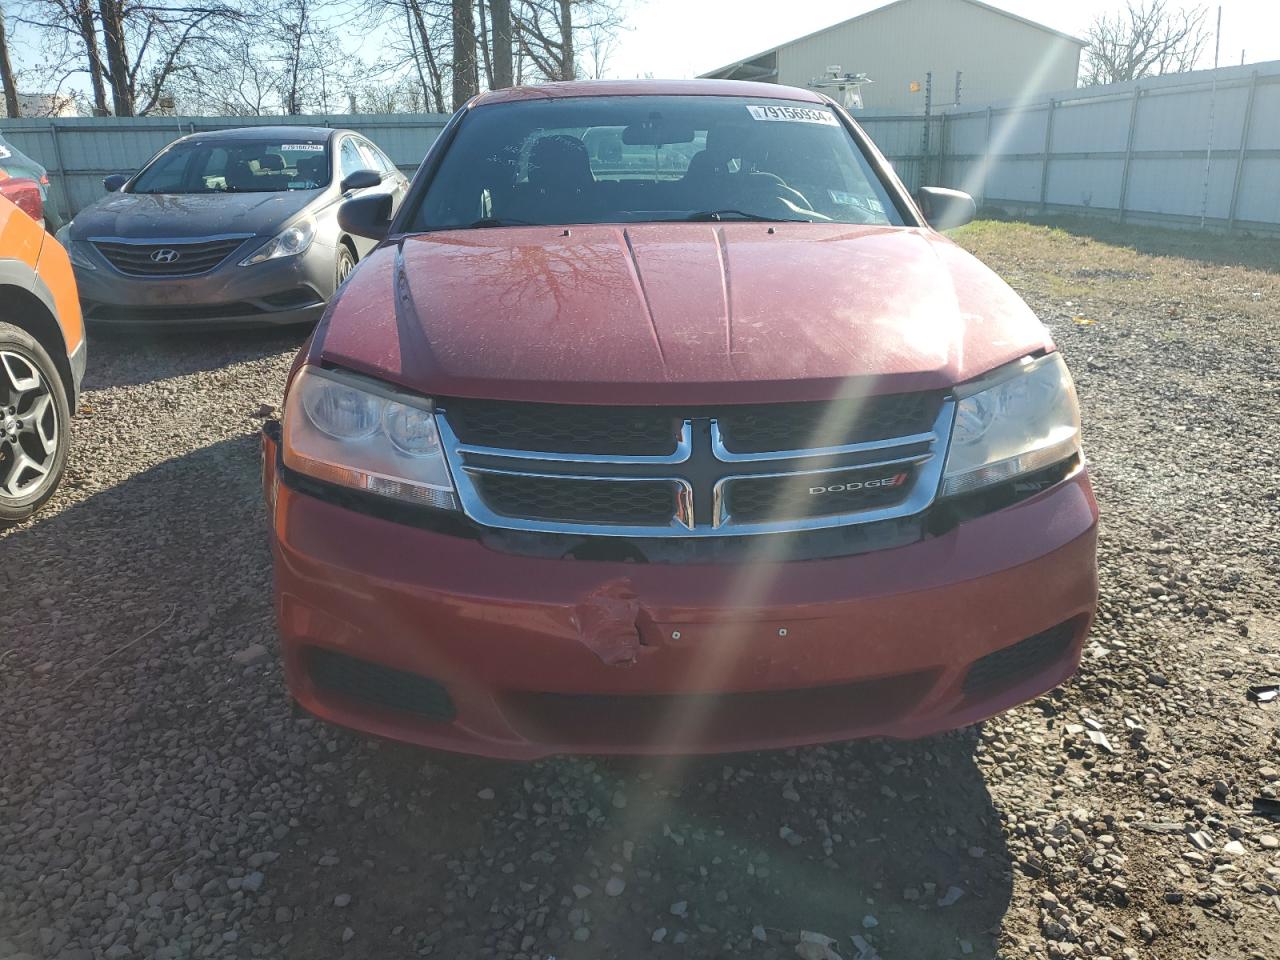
<point x="158" y="799"/>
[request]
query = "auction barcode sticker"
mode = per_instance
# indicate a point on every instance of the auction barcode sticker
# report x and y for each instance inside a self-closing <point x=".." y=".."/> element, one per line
<point x="303" y="147"/>
<point x="794" y="114"/>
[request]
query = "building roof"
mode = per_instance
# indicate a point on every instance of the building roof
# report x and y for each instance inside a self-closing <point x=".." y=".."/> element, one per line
<point x="639" y="88"/>
<point x="871" y="13"/>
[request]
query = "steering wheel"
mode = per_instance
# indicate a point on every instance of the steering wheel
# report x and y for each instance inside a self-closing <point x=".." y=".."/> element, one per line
<point x="777" y="188"/>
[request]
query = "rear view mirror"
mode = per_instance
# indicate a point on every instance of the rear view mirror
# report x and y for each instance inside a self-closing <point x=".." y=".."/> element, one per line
<point x="366" y="216"/>
<point x="944" y="209"/>
<point x="360" y="179"/>
<point x="656" y="132"/>
<point x="114" y="181"/>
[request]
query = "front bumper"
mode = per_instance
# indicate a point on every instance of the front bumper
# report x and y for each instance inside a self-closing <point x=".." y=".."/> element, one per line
<point x="274" y="293"/>
<point x="531" y="656"/>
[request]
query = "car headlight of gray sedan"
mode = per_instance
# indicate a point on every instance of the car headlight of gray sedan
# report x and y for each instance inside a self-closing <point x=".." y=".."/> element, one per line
<point x="289" y="242"/>
<point x="75" y="248"/>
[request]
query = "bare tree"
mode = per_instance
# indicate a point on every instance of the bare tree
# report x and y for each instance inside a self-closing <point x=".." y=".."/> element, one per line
<point x="6" y="73"/>
<point x="600" y="46"/>
<point x="465" y="81"/>
<point x="547" y="32"/>
<point x="1146" y="39"/>
<point x="243" y="83"/>
<point x="500" y="17"/>
<point x="146" y="45"/>
<point x="68" y="30"/>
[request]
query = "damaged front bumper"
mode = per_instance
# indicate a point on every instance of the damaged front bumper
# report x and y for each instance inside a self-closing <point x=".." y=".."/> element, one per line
<point x="436" y="639"/>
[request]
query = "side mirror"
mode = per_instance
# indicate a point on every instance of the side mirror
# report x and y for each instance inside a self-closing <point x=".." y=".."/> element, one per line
<point x="360" y="180"/>
<point x="944" y="209"/>
<point x="113" y="182"/>
<point x="368" y="217"/>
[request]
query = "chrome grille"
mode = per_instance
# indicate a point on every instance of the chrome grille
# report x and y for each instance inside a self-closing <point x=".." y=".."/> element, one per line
<point x="714" y="472"/>
<point x="789" y="496"/>
<point x="167" y="258"/>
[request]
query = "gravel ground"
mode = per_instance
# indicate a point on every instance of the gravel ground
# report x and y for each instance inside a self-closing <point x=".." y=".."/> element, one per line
<point x="158" y="799"/>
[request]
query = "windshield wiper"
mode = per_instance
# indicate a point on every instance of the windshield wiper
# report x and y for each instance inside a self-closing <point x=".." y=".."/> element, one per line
<point x="498" y="222"/>
<point x="730" y="214"/>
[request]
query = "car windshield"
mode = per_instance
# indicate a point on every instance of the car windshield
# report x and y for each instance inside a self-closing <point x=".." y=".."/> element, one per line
<point x="646" y="159"/>
<point x="236" y="166"/>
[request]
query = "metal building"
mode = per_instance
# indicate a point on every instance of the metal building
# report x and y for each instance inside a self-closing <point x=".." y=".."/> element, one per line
<point x="998" y="55"/>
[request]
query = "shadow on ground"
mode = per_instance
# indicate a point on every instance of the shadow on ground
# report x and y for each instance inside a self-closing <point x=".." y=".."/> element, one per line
<point x="917" y="863"/>
<point x="161" y="579"/>
<point x="127" y="356"/>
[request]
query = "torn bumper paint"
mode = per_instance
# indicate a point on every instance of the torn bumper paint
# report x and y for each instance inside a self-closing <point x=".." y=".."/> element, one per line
<point x="542" y="656"/>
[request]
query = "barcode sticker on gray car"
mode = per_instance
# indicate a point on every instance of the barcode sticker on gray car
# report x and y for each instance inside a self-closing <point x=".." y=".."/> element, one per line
<point x="303" y="147"/>
<point x="793" y="114"/>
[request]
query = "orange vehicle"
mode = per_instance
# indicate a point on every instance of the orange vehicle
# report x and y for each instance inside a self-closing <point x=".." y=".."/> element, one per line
<point x="42" y="358"/>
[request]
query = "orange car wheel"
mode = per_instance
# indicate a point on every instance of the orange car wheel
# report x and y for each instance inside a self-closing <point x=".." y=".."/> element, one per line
<point x="34" y="422"/>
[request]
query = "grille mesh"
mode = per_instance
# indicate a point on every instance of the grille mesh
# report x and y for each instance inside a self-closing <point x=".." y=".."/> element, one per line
<point x="640" y="431"/>
<point x="793" y="426"/>
<point x="380" y="686"/>
<point x="135" y="259"/>
<point x="1020" y="660"/>
<point x="650" y="502"/>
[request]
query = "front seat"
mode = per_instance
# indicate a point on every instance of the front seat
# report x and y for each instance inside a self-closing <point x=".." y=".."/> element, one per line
<point x="311" y="170"/>
<point x="561" y="184"/>
<point x="240" y="175"/>
<point x="723" y="145"/>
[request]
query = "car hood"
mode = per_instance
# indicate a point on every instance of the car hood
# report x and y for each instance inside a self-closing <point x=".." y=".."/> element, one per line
<point x="675" y="313"/>
<point x="144" y="216"/>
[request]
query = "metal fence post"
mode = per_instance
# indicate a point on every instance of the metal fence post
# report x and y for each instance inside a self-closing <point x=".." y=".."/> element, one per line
<point x="1044" y="165"/>
<point x="1128" y="151"/>
<point x="986" y="158"/>
<point x="61" y="172"/>
<point x="944" y="151"/>
<point x="1244" y="145"/>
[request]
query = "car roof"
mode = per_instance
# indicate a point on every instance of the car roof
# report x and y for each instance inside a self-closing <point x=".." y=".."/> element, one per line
<point x="276" y="132"/>
<point x="647" y="88"/>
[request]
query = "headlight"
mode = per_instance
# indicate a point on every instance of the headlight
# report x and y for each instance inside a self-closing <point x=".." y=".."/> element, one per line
<point x="360" y="434"/>
<point x="75" y="249"/>
<point x="287" y="243"/>
<point x="1022" y="418"/>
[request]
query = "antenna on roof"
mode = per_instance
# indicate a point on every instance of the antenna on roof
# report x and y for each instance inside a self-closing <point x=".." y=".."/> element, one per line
<point x="849" y="85"/>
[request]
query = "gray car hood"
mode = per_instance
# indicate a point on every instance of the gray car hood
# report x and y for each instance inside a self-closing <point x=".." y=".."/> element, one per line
<point x="168" y="216"/>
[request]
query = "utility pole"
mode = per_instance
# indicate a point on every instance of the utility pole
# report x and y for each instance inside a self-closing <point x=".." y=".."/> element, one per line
<point x="958" y="75"/>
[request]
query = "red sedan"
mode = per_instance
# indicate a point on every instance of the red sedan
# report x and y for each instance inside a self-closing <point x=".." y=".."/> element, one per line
<point x="662" y="420"/>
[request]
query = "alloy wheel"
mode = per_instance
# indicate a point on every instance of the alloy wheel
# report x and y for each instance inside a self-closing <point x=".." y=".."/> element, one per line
<point x="28" y="426"/>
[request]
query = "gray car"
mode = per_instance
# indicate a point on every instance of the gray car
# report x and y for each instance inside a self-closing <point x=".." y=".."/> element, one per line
<point x="229" y="228"/>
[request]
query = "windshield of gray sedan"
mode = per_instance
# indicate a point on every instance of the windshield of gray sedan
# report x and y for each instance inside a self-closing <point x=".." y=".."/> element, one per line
<point x="646" y="159"/>
<point x="236" y="166"/>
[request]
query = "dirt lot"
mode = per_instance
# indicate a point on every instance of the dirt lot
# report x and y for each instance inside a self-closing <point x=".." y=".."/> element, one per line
<point x="157" y="798"/>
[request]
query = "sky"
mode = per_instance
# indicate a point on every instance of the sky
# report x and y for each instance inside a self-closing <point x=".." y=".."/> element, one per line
<point x="673" y="39"/>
